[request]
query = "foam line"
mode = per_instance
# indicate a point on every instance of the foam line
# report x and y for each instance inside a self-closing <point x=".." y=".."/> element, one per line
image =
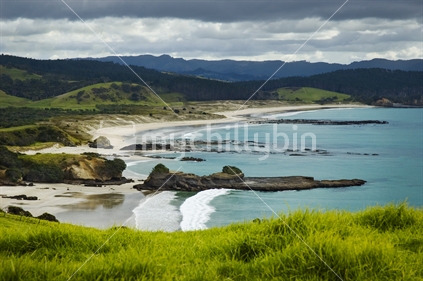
<point x="155" y="213"/>
<point x="196" y="209"/>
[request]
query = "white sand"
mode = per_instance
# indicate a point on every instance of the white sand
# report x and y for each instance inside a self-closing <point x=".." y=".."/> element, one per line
<point x="52" y="197"/>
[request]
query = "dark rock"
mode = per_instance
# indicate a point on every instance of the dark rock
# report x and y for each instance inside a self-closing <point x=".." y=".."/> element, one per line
<point x="18" y="211"/>
<point x="100" y="183"/>
<point x="317" y="122"/>
<point x="191" y="182"/>
<point x="101" y="142"/>
<point x="148" y="146"/>
<point x="22" y="197"/>
<point x="48" y="217"/>
<point x="192" y="159"/>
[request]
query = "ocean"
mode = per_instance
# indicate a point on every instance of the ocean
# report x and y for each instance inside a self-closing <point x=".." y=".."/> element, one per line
<point x="388" y="156"/>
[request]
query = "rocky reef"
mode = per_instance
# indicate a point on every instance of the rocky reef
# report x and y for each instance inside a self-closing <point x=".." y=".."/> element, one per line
<point x="317" y="122"/>
<point x="14" y="210"/>
<point x="165" y="180"/>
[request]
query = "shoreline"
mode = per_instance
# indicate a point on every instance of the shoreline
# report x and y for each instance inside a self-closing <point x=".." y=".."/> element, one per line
<point x="117" y="138"/>
<point x="59" y="199"/>
<point x="65" y="200"/>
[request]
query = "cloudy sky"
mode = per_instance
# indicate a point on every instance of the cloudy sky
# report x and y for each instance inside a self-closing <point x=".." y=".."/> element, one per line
<point x="214" y="29"/>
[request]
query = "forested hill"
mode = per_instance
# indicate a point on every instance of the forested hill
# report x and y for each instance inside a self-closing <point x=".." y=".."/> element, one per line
<point x="61" y="76"/>
<point x="366" y="85"/>
<point x="41" y="79"/>
<point x="232" y="70"/>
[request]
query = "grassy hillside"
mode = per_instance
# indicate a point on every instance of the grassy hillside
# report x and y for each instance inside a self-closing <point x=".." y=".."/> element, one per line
<point x="16" y="73"/>
<point x="8" y="100"/>
<point x="112" y="93"/>
<point x="31" y="134"/>
<point x="382" y="243"/>
<point x="310" y="95"/>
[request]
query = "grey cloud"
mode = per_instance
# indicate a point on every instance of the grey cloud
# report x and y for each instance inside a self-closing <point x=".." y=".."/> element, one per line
<point x="214" y="11"/>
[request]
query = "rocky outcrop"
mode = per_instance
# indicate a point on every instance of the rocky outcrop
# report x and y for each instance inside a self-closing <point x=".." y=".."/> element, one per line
<point x="96" y="172"/>
<point x="148" y="147"/>
<point x="13" y="210"/>
<point x="383" y="102"/>
<point x="84" y="170"/>
<point x="101" y="142"/>
<point x="317" y="122"/>
<point x="18" y="211"/>
<point x="47" y="217"/>
<point x="191" y="182"/>
<point x="22" y="197"/>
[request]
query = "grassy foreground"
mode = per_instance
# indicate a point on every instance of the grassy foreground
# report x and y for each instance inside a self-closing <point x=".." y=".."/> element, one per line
<point x="381" y="243"/>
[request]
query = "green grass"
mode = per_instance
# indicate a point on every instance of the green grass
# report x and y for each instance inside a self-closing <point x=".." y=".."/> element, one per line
<point x="382" y="243"/>
<point x="60" y="160"/>
<point x="20" y="74"/>
<point x="309" y="95"/>
<point x="8" y="100"/>
<point x="12" y="129"/>
<point x="32" y="134"/>
<point x="34" y="146"/>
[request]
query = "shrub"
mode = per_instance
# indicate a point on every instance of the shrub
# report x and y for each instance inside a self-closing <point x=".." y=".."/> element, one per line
<point x="91" y="154"/>
<point x="44" y="173"/>
<point x="231" y="170"/>
<point x="8" y="158"/>
<point x="113" y="168"/>
<point x="160" y="169"/>
<point x="13" y="174"/>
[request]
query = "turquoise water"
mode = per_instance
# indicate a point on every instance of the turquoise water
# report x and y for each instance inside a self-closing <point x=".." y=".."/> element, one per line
<point x="394" y="174"/>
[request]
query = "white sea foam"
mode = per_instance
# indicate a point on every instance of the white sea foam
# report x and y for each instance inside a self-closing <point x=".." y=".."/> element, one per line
<point x="133" y="163"/>
<point x="196" y="209"/>
<point x="155" y="212"/>
<point x="277" y="115"/>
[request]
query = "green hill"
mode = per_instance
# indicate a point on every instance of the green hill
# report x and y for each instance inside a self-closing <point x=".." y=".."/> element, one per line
<point x="113" y="93"/>
<point x="102" y="94"/>
<point x="19" y="74"/>
<point x="381" y="243"/>
<point x="311" y="95"/>
<point x="8" y="100"/>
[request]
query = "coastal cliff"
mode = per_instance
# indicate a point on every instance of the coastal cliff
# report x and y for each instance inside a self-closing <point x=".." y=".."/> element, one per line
<point x="88" y="168"/>
<point x="189" y="182"/>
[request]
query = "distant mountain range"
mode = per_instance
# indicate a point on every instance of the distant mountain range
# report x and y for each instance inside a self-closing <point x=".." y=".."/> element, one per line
<point x="91" y="82"/>
<point x="231" y="70"/>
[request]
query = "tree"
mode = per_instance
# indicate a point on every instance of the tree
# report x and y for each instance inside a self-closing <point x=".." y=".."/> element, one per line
<point x="231" y="170"/>
<point x="159" y="169"/>
<point x="113" y="168"/>
<point x="13" y="174"/>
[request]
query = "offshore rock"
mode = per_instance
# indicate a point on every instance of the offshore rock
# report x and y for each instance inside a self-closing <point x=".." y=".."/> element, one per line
<point x="191" y="182"/>
<point x="101" y="142"/>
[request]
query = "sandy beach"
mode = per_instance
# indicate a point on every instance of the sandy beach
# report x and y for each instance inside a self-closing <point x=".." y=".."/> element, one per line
<point x="112" y="205"/>
<point x="118" y="135"/>
<point x="63" y="199"/>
